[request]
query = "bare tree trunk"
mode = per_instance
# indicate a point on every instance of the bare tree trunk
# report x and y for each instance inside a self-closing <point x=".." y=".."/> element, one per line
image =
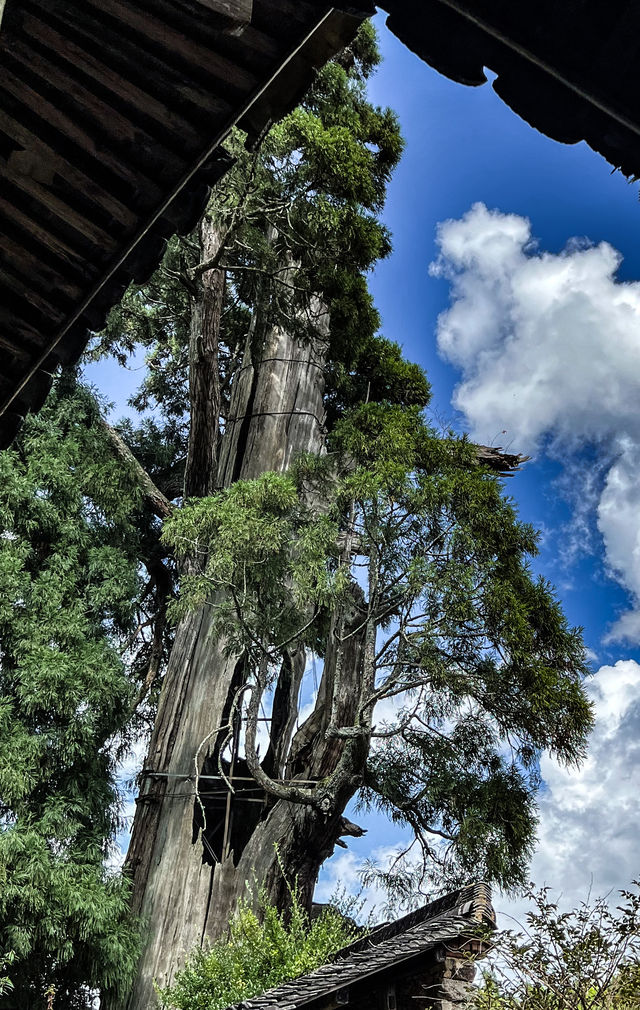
<point x="204" y="379"/>
<point x="185" y="882"/>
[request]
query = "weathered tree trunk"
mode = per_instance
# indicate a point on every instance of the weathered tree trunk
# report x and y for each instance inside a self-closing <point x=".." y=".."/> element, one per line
<point x="204" y="381"/>
<point x="185" y="884"/>
<point x="298" y="837"/>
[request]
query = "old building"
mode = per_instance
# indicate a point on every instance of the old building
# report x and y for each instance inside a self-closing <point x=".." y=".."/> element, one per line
<point x="423" y="961"/>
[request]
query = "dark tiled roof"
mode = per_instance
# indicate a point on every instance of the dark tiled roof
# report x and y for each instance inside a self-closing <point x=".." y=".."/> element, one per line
<point x="570" y="68"/>
<point x="394" y="945"/>
<point x="112" y="113"/>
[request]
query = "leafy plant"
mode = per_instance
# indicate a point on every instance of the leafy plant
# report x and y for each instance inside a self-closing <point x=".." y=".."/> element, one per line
<point x="585" y="959"/>
<point x="6" y="985"/>
<point x="263" y="949"/>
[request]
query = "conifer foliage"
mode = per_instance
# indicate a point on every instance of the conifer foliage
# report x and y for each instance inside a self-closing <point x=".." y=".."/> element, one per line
<point x="409" y="549"/>
<point x="69" y="582"/>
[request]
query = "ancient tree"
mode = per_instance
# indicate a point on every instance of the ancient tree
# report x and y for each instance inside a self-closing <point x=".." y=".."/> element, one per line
<point x="323" y="516"/>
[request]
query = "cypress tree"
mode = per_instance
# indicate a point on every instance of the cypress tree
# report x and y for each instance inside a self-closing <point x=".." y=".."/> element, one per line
<point x="69" y="583"/>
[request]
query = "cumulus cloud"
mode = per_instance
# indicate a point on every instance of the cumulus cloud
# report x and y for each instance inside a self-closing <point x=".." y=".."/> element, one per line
<point x="588" y="834"/>
<point x="549" y="349"/>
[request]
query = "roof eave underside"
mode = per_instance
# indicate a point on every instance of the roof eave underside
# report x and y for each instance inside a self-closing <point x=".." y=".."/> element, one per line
<point x="571" y="70"/>
<point x="112" y="118"/>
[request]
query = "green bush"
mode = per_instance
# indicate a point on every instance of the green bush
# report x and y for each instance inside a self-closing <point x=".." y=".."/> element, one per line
<point x="5" y="982"/>
<point x="264" y="947"/>
<point x="585" y="959"/>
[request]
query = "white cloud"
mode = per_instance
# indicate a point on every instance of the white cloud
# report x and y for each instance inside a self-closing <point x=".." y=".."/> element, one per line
<point x="588" y="834"/>
<point x="549" y="349"/>
<point x="342" y="875"/>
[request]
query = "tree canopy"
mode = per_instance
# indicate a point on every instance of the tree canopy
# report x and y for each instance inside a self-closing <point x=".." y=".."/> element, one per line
<point x="69" y="585"/>
<point x="400" y="540"/>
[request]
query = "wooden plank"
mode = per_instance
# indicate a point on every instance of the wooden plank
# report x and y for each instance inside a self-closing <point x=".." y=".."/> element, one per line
<point x="50" y="162"/>
<point x="74" y="257"/>
<point x="177" y="44"/>
<point x="44" y="278"/>
<point x="29" y="335"/>
<point x="137" y="64"/>
<point x="75" y="134"/>
<point x="59" y="208"/>
<point x="31" y="298"/>
<point x="142" y="150"/>
<point x="71" y="92"/>
<point x="248" y="47"/>
<point x="89" y="64"/>
<point x="18" y="350"/>
<point x="268" y="15"/>
<point x="238" y="11"/>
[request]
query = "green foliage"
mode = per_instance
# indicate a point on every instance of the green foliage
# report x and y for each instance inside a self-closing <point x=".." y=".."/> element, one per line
<point x="477" y="650"/>
<point x="381" y="375"/>
<point x="69" y="580"/>
<point x="6" y="985"/>
<point x="585" y="959"/>
<point x="309" y="196"/>
<point x="264" y="948"/>
<point x="258" y="540"/>
<point x="477" y="653"/>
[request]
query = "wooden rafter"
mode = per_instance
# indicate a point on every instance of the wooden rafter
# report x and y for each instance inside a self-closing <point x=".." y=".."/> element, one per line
<point x="237" y="11"/>
<point x="111" y="130"/>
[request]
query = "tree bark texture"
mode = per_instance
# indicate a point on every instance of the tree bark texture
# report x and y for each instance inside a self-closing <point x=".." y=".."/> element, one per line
<point x="183" y="894"/>
<point x="204" y="382"/>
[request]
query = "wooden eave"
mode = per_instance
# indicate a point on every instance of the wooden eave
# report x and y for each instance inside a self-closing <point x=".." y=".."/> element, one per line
<point x="112" y="117"/>
<point x="571" y="69"/>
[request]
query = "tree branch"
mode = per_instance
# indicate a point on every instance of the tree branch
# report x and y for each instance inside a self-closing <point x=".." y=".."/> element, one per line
<point x="157" y="501"/>
<point x="277" y="789"/>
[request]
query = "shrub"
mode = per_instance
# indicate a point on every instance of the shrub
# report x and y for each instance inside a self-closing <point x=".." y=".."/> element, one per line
<point x="5" y="982"/>
<point x="585" y="959"/>
<point x="264" y="947"/>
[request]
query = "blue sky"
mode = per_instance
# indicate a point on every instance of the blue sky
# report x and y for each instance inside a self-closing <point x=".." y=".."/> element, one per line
<point x="538" y="325"/>
<point x="464" y="146"/>
<point x="578" y="419"/>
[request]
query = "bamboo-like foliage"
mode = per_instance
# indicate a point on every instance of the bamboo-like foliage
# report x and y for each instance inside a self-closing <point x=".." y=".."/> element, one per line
<point x="69" y="585"/>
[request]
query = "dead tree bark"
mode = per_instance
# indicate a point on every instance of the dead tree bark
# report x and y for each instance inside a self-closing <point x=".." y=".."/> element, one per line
<point x="204" y="380"/>
<point x="183" y="887"/>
